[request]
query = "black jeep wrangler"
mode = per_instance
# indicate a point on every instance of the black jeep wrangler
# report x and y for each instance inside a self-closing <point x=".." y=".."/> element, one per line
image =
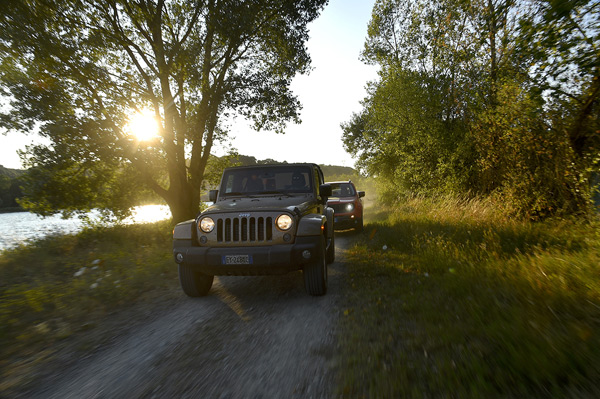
<point x="266" y="219"/>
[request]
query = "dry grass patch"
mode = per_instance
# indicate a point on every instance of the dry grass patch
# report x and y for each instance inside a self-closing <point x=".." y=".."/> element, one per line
<point x="452" y="299"/>
<point x="65" y="285"/>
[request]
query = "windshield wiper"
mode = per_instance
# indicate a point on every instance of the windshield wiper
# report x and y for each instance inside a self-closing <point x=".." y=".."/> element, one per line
<point x="239" y="194"/>
<point x="257" y="193"/>
<point x="275" y="192"/>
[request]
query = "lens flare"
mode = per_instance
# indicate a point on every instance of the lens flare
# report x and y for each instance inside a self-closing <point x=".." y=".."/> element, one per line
<point x="143" y="126"/>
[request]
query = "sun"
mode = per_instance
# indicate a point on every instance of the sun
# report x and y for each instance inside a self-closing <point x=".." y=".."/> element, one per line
<point x="142" y="125"/>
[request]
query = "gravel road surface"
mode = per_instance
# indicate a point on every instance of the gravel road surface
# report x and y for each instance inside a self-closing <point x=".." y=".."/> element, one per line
<point x="252" y="337"/>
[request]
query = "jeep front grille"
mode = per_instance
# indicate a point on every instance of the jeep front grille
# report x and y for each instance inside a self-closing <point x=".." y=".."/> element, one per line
<point x="338" y="208"/>
<point x="245" y="229"/>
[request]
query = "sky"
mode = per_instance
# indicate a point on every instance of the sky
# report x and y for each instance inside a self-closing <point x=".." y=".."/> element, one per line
<point x="329" y="95"/>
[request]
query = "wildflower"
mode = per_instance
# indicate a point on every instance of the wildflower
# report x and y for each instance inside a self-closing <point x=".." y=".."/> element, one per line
<point x="80" y="272"/>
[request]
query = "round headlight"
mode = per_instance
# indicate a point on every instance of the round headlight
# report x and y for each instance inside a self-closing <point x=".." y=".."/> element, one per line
<point x="207" y="224"/>
<point x="284" y="222"/>
<point x="350" y="207"/>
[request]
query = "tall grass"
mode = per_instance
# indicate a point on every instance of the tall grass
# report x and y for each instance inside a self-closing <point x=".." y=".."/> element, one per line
<point x="65" y="285"/>
<point x="449" y="298"/>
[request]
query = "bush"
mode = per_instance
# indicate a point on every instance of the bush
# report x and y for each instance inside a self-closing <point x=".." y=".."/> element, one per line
<point x="525" y="161"/>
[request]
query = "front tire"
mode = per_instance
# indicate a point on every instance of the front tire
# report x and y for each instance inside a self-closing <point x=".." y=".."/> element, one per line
<point x="194" y="283"/>
<point x="359" y="225"/>
<point x="331" y="250"/>
<point x="315" y="273"/>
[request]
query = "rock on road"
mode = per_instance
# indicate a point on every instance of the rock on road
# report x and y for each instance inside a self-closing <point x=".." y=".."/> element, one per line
<point x="251" y="337"/>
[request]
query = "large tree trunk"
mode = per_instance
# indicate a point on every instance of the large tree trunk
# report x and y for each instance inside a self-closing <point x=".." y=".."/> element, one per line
<point x="183" y="199"/>
<point x="185" y="205"/>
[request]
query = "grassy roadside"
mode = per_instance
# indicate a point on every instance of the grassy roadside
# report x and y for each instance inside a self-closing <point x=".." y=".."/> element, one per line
<point x="462" y="302"/>
<point x="65" y="285"/>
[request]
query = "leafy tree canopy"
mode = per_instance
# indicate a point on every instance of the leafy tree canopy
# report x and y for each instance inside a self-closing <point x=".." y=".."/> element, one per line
<point x="79" y="69"/>
<point x="497" y="97"/>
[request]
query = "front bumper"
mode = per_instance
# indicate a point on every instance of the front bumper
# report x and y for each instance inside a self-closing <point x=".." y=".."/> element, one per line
<point x="342" y="222"/>
<point x="265" y="260"/>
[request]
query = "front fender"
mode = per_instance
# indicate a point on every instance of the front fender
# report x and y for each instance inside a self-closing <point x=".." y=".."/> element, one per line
<point x="184" y="230"/>
<point x="311" y="225"/>
<point x="330" y="218"/>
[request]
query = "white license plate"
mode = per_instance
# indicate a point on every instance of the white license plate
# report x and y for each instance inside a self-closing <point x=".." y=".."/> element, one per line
<point x="237" y="259"/>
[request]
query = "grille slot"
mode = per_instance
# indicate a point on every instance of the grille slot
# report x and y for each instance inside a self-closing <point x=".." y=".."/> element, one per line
<point x="245" y="229"/>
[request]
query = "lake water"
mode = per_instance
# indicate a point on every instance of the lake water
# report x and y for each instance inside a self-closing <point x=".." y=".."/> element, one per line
<point x="21" y="227"/>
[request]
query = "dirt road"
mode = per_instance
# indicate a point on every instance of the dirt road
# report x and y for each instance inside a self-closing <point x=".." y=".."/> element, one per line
<point x="252" y="337"/>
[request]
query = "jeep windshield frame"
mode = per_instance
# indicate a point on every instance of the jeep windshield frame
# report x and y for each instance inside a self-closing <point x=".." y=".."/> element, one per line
<point x="267" y="181"/>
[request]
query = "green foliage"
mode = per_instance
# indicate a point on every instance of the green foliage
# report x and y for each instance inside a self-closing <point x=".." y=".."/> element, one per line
<point x="497" y="98"/>
<point x="95" y="185"/>
<point x="214" y="170"/>
<point x="406" y="135"/>
<point x="79" y="69"/>
<point x="4" y="183"/>
<point x="466" y="301"/>
<point x="561" y="40"/>
<point x="526" y="162"/>
<point x="10" y="188"/>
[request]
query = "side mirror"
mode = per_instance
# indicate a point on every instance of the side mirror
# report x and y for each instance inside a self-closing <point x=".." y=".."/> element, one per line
<point x="212" y="195"/>
<point x="361" y="194"/>
<point x="324" y="191"/>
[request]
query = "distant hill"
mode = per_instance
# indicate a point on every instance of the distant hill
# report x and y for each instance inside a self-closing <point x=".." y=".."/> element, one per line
<point x="331" y="170"/>
<point x="11" y="173"/>
<point x="245" y="160"/>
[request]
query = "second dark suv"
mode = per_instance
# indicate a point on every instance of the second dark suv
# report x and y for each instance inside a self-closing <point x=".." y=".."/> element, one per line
<point x="347" y="205"/>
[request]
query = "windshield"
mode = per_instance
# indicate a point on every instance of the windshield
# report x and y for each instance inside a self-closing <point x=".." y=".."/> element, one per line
<point x="266" y="180"/>
<point x="342" y="190"/>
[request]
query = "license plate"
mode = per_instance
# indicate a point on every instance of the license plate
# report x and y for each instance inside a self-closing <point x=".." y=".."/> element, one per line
<point x="237" y="259"/>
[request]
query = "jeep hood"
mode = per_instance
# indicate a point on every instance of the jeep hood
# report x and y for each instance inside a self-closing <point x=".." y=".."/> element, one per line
<point x="261" y="204"/>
